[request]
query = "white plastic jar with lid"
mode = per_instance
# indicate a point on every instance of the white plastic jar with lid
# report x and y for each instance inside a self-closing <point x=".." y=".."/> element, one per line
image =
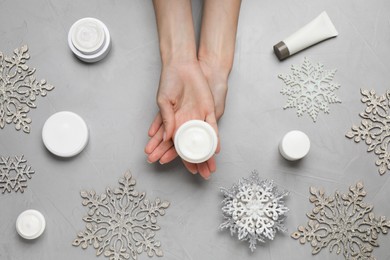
<point x="294" y="145"/>
<point x="89" y="39"/>
<point x="195" y="141"/>
<point x="65" y="134"/>
<point x="30" y="224"/>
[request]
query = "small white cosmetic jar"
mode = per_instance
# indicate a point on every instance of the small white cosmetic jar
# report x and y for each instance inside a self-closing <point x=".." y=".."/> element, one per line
<point x="30" y="224"/>
<point x="294" y="145"/>
<point x="65" y="134"/>
<point x="195" y="141"/>
<point x="89" y="39"/>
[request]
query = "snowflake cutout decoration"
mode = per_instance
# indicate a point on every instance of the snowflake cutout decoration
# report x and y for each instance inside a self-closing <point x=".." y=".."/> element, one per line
<point x="14" y="174"/>
<point x="121" y="223"/>
<point x="18" y="89"/>
<point x="342" y="222"/>
<point x="310" y="89"/>
<point x="375" y="127"/>
<point x="253" y="208"/>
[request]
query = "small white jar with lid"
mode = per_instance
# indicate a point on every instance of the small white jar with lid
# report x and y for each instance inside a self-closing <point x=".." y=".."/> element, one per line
<point x="195" y="141"/>
<point x="65" y="134"/>
<point x="89" y="39"/>
<point x="294" y="145"/>
<point x="30" y="224"/>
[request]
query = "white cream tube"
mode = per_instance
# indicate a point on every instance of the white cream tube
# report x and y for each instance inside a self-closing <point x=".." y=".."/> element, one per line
<point x="319" y="29"/>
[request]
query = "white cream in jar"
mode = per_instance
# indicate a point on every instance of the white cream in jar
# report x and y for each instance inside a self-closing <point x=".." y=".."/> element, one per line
<point x="195" y="141"/>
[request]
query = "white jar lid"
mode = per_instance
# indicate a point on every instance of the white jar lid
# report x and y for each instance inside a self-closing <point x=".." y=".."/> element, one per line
<point x="30" y="224"/>
<point x="89" y="39"/>
<point x="294" y="146"/>
<point x="88" y="35"/>
<point x="195" y="141"/>
<point x="65" y="134"/>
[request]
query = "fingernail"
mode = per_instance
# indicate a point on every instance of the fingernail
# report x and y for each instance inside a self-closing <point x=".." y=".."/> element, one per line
<point x="149" y="161"/>
<point x="164" y="136"/>
<point x="161" y="162"/>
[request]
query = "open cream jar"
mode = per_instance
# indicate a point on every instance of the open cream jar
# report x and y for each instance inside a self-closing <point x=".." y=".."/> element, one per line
<point x="195" y="141"/>
<point x="30" y="224"/>
<point x="89" y="39"/>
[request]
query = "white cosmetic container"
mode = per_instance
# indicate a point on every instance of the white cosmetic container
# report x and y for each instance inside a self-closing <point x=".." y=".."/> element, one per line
<point x="65" y="134"/>
<point x="195" y="141"/>
<point x="30" y="224"/>
<point x="319" y="29"/>
<point x="89" y="39"/>
<point x="294" y="146"/>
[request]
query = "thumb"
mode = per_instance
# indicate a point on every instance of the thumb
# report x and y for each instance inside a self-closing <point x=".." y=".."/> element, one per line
<point x="168" y="118"/>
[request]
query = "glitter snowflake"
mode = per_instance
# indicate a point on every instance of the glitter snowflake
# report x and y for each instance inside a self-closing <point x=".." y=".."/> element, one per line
<point x="254" y="209"/>
<point x="310" y="89"/>
<point x="14" y="174"/>
<point x="121" y="223"/>
<point x="18" y="89"/>
<point x="343" y="223"/>
<point x="375" y="127"/>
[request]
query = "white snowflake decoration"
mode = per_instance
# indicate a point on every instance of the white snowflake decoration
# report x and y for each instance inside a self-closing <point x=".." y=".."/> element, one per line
<point x="14" y="174"/>
<point x="18" y="89"/>
<point x="310" y="89"/>
<point x="344" y="223"/>
<point x="254" y="209"/>
<point x="375" y="127"/>
<point x="121" y="223"/>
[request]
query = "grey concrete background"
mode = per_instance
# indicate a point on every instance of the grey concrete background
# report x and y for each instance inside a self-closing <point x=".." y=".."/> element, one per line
<point x="116" y="97"/>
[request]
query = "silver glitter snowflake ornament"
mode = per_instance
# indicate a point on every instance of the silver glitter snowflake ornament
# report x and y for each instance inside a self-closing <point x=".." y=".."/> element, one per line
<point x="375" y="127"/>
<point x="121" y="223"/>
<point x="343" y="223"/>
<point x="14" y="174"/>
<point x="253" y="208"/>
<point x="18" y="89"/>
<point x="310" y="89"/>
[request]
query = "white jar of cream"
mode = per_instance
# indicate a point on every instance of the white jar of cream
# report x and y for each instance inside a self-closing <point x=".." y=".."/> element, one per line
<point x="89" y="39"/>
<point x="196" y="141"/>
<point x="30" y="224"/>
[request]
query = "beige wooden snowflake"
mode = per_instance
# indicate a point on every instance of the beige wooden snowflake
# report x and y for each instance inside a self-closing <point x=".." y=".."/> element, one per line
<point x="14" y="173"/>
<point x="342" y="223"/>
<point x="374" y="128"/>
<point x="121" y="223"/>
<point x="19" y="89"/>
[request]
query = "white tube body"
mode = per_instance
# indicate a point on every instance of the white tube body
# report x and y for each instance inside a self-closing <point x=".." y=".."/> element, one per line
<point x="319" y="29"/>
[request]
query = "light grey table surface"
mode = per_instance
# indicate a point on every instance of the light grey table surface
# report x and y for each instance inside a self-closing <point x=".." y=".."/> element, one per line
<point x="116" y="97"/>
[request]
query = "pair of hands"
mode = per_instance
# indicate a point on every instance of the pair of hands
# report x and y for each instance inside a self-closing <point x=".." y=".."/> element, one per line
<point x="193" y="82"/>
<point x="193" y="89"/>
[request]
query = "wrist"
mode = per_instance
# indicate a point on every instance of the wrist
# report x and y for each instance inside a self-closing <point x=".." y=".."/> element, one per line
<point x="177" y="53"/>
<point x="175" y="30"/>
<point x="221" y="63"/>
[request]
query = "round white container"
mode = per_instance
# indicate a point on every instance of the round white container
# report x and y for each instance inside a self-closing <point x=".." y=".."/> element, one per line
<point x="65" y="134"/>
<point x="30" y="224"/>
<point x="294" y="146"/>
<point x="195" y="141"/>
<point x="89" y="39"/>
